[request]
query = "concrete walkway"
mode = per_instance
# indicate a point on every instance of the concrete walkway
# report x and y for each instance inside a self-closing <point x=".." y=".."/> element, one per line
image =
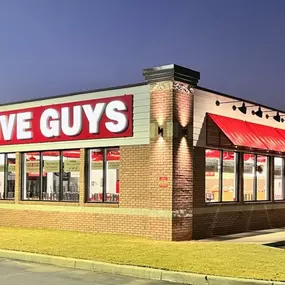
<point x="271" y="236"/>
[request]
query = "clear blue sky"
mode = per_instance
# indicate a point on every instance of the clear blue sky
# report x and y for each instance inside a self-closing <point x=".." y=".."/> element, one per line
<point x="51" y="47"/>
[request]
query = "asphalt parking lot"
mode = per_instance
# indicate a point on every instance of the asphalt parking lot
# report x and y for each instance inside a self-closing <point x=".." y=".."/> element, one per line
<point x="20" y="273"/>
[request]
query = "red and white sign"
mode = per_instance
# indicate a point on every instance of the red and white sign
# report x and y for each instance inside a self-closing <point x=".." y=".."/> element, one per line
<point x="92" y="119"/>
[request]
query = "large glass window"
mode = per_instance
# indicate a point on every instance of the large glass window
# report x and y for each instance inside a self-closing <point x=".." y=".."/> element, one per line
<point x="256" y="177"/>
<point x="7" y="176"/>
<point x="51" y="175"/>
<point x="103" y="178"/>
<point x="229" y="174"/>
<point x="212" y="175"/>
<point x="278" y="178"/>
<point x="262" y="177"/>
<point x="248" y="177"/>
<point x="2" y="175"/>
<point x="32" y="177"/>
<point x="71" y="175"/>
<point x="11" y="167"/>
<point x="113" y="177"/>
<point x="221" y="176"/>
<point x="95" y="175"/>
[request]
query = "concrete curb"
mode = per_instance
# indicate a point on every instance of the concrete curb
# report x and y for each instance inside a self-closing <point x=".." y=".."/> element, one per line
<point x="132" y="271"/>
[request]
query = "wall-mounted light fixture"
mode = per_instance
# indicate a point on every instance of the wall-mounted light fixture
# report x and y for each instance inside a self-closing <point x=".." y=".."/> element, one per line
<point x="258" y="113"/>
<point x="276" y="117"/>
<point x="243" y="107"/>
<point x="184" y="131"/>
<point x="160" y="131"/>
<point x="218" y="103"/>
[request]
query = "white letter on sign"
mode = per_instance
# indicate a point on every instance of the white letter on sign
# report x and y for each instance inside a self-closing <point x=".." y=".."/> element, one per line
<point x="24" y="125"/>
<point x="52" y="129"/>
<point x="7" y="126"/>
<point x="77" y="121"/>
<point x="94" y="116"/>
<point x="113" y="114"/>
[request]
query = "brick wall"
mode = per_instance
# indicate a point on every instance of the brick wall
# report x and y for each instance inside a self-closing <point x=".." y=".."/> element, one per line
<point x="182" y="196"/>
<point x="210" y="220"/>
<point x="105" y="223"/>
<point x="145" y="206"/>
<point x="237" y="220"/>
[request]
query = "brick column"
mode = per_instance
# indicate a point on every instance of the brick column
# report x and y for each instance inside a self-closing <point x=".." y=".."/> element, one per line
<point x="82" y="177"/>
<point x="171" y="157"/>
<point x="18" y="182"/>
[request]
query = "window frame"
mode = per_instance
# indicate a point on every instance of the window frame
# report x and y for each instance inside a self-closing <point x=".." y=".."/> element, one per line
<point x="282" y="178"/>
<point x="105" y="169"/>
<point x="239" y="182"/>
<point x="220" y="171"/>
<point x="6" y="167"/>
<point x="255" y="184"/>
<point x="61" y="169"/>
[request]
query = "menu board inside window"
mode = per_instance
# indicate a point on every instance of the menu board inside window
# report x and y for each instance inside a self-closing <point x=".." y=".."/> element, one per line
<point x="113" y="164"/>
<point x="33" y="166"/>
<point x="72" y="165"/>
<point x="97" y="165"/>
<point x="51" y="165"/>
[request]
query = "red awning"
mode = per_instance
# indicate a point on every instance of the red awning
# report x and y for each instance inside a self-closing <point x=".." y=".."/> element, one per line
<point x="250" y="135"/>
<point x="269" y="136"/>
<point x="238" y="132"/>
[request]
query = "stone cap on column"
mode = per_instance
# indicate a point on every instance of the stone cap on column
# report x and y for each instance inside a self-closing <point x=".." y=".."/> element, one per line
<point x="171" y="72"/>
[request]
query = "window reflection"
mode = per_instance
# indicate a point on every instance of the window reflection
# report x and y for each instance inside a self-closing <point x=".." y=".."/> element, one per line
<point x="262" y="178"/>
<point x="51" y="175"/>
<point x="96" y="157"/>
<point x="71" y="175"/>
<point x="229" y="176"/>
<point x="255" y="178"/>
<point x="212" y="175"/>
<point x="113" y="174"/>
<point x="248" y="176"/>
<point x="32" y="176"/>
<point x="11" y="167"/>
<point x="104" y="175"/>
<point x="220" y="176"/>
<point x="58" y="180"/>
<point x="278" y="166"/>
<point x="2" y="176"/>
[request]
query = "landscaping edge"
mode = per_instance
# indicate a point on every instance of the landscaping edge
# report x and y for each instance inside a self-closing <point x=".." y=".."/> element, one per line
<point x="132" y="271"/>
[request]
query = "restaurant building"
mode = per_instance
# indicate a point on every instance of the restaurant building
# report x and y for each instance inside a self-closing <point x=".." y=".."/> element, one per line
<point x="164" y="159"/>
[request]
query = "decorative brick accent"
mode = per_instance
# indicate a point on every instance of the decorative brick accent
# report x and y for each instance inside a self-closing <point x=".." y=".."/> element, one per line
<point x="182" y="195"/>
<point x="18" y="182"/>
<point x="82" y="197"/>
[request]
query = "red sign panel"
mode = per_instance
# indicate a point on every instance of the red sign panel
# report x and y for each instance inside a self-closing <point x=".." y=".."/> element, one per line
<point x="91" y="119"/>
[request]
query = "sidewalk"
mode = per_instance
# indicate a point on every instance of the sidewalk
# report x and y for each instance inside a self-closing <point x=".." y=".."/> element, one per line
<point x="266" y="237"/>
